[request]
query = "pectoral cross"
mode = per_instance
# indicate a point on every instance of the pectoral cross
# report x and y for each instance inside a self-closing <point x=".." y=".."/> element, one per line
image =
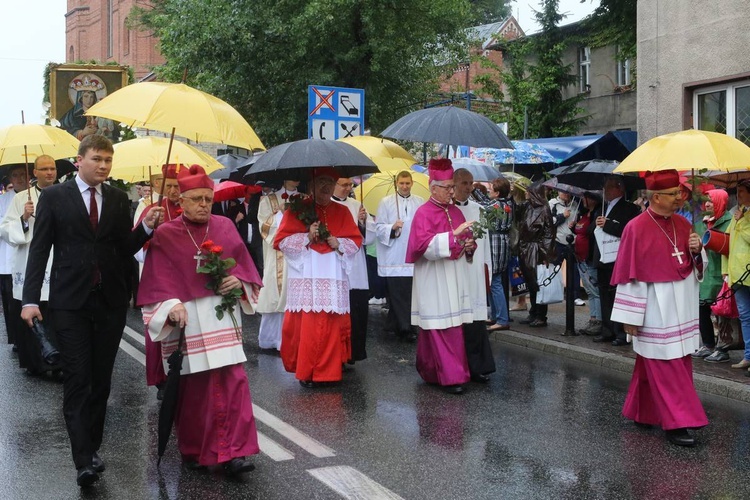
<point x="678" y="254"/>
<point x="199" y="258"/>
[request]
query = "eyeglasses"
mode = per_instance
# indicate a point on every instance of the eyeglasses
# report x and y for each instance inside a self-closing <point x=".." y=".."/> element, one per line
<point x="197" y="199"/>
<point x="447" y="188"/>
<point x="674" y="194"/>
<point x="347" y="184"/>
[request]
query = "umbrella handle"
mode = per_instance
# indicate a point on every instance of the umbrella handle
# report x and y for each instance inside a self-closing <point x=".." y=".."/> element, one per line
<point x="164" y="178"/>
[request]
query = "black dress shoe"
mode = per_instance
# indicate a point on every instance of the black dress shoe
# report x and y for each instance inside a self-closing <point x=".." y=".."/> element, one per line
<point x="238" y="465"/>
<point x="453" y="389"/>
<point x="538" y="323"/>
<point x="86" y="476"/>
<point x="604" y="338"/>
<point x="482" y="379"/>
<point x="641" y="425"/>
<point x="680" y="437"/>
<point x="528" y="320"/>
<point x="309" y="384"/>
<point x="620" y="342"/>
<point x="97" y="463"/>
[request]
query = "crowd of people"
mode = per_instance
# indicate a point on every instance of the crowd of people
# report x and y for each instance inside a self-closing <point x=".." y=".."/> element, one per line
<point x="310" y="263"/>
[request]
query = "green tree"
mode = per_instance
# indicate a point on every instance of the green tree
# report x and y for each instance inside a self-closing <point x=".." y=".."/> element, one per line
<point x="614" y="23"/>
<point x="490" y="11"/>
<point x="535" y="77"/>
<point x="261" y="55"/>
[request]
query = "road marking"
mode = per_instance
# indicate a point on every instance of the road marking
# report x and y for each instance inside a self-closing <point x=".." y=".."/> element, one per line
<point x="299" y="438"/>
<point x="350" y="483"/>
<point x="135" y="335"/>
<point x="273" y="449"/>
<point x="138" y="355"/>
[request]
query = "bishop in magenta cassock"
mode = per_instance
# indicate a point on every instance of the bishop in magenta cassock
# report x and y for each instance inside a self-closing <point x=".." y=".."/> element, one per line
<point x="441" y="293"/>
<point x="316" y="334"/>
<point x="214" y="419"/>
<point x="656" y="273"/>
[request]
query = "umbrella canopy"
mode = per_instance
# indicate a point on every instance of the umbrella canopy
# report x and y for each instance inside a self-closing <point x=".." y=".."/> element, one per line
<point x="590" y="175"/>
<point x="382" y="184"/>
<point x="295" y="160"/>
<point x="64" y="167"/>
<point x="38" y="140"/>
<point x="387" y="155"/>
<point x="191" y="113"/>
<point x="481" y="172"/>
<point x="230" y="190"/>
<point x="724" y="179"/>
<point x="686" y="150"/>
<point x="516" y="178"/>
<point x="448" y="125"/>
<point x="234" y="166"/>
<point x="555" y="184"/>
<point x="135" y="160"/>
<point x="522" y="153"/>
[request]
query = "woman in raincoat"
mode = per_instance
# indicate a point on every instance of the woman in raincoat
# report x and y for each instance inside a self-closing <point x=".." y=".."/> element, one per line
<point x="734" y="266"/>
<point x="536" y="246"/>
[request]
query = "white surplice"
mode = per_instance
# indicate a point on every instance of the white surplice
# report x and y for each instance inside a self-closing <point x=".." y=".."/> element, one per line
<point x="210" y="343"/>
<point x="358" y="273"/>
<point x="666" y="315"/>
<point x="482" y="258"/>
<point x="12" y="231"/>
<point x="392" y="251"/>
<point x="317" y="282"/>
<point x="441" y="291"/>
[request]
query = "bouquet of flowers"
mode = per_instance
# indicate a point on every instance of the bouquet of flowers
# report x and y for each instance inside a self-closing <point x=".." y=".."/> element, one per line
<point x="217" y="269"/>
<point x="490" y="219"/>
<point x="304" y="208"/>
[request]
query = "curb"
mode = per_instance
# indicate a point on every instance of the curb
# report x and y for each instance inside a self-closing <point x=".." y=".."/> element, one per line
<point x="703" y="383"/>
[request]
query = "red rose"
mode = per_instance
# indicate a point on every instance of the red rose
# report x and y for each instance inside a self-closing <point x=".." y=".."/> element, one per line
<point x="284" y="196"/>
<point x="216" y="249"/>
<point x="178" y="212"/>
<point x="206" y="245"/>
<point x="507" y="209"/>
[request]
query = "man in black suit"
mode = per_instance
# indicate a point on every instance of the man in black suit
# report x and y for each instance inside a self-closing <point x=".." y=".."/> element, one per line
<point x="617" y="212"/>
<point x="244" y="214"/>
<point x="89" y="225"/>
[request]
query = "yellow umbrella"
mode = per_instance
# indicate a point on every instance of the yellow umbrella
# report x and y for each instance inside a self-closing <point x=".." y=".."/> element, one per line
<point x="180" y="110"/>
<point x="387" y="155"/>
<point x="688" y="150"/>
<point x="136" y="159"/>
<point x="19" y="143"/>
<point x="381" y="185"/>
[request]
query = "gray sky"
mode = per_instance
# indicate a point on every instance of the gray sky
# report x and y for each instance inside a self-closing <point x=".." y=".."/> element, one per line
<point x="33" y="34"/>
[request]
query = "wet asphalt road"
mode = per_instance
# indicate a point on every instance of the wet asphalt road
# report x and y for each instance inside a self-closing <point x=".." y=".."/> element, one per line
<point x="544" y="427"/>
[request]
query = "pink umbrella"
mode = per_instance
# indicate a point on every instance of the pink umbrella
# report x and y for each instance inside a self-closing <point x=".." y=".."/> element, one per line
<point x="230" y="190"/>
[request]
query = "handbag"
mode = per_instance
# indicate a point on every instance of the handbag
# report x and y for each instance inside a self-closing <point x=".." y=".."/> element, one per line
<point x="608" y="245"/>
<point x="552" y="292"/>
<point x="515" y="278"/>
<point x="726" y="304"/>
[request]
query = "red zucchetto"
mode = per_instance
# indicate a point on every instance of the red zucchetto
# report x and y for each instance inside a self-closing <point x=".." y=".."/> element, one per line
<point x="193" y="178"/>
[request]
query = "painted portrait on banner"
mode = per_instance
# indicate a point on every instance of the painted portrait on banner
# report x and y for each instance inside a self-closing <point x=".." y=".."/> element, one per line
<point x="74" y="89"/>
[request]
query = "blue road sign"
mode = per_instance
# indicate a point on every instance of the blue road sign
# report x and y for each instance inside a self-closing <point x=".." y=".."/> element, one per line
<point x="335" y="112"/>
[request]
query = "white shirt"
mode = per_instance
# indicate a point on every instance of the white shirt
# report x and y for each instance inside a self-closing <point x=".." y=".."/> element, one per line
<point x="7" y="253"/>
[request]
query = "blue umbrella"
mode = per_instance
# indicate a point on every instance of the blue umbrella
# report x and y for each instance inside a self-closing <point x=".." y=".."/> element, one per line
<point x="524" y="154"/>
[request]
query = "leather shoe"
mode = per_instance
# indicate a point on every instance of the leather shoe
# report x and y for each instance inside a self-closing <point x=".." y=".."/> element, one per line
<point x="238" y="466"/>
<point x="604" y="338"/>
<point x="641" y="425"/>
<point x="680" y="437"/>
<point x="538" y="323"/>
<point x="453" y="389"/>
<point x="497" y="328"/>
<point x="620" y="342"/>
<point x="97" y="463"/>
<point x="309" y="384"/>
<point x="527" y="321"/>
<point x="86" y="476"/>
<point x="482" y="379"/>
<point x="744" y="364"/>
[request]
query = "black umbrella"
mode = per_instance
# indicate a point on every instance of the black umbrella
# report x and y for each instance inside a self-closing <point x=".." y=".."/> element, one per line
<point x="555" y="184"/>
<point x="171" y="393"/>
<point x="480" y="171"/>
<point x="295" y="160"/>
<point x="591" y="175"/>
<point x="235" y="166"/>
<point x="448" y="125"/>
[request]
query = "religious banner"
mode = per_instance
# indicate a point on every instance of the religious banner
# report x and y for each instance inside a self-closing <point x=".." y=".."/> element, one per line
<point x="74" y="88"/>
